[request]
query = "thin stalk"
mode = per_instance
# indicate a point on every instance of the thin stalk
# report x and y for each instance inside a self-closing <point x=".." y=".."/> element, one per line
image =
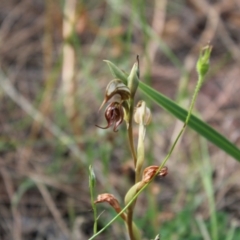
<point x="199" y="84"/>
<point x="132" y="84"/>
<point x="140" y="152"/>
<point x="137" y="175"/>
<point x="94" y="212"/>
<point x="129" y="221"/>
<point x="130" y="133"/>
<point x="131" y="144"/>
<point x="92" y="182"/>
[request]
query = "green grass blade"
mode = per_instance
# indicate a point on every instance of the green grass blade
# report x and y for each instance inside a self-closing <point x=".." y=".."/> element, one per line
<point x="195" y="123"/>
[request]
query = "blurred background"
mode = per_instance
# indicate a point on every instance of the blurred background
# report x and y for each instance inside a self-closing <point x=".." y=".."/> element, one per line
<point x="52" y="82"/>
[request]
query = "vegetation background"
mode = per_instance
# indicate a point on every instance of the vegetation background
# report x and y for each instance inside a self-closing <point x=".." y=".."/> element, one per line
<point x="52" y="82"/>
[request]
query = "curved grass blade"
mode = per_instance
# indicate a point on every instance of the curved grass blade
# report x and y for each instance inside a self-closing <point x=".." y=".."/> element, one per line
<point x="195" y="123"/>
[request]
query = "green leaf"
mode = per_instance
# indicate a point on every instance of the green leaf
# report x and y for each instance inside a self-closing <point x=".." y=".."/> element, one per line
<point x="195" y="123"/>
<point x="116" y="72"/>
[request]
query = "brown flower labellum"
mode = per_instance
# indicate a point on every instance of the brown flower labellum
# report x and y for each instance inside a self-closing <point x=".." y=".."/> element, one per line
<point x="109" y="198"/>
<point x="114" y="115"/>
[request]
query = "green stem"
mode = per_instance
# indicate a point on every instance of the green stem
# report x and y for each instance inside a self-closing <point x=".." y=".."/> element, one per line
<point x="140" y="153"/>
<point x="129" y="222"/>
<point x="94" y="211"/>
<point x="92" y="182"/>
<point x="133" y="152"/>
<point x="130" y="133"/>
<point x="197" y="88"/>
<point x="137" y="175"/>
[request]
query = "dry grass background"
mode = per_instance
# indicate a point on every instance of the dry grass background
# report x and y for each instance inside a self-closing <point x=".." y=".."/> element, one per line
<point x="52" y="80"/>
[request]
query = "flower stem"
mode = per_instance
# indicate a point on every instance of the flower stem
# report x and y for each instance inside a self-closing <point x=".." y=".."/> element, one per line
<point x="129" y="221"/>
<point x="131" y="144"/>
<point x="130" y="133"/>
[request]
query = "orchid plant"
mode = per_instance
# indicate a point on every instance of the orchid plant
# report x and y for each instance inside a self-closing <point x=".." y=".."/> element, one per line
<point x="119" y="95"/>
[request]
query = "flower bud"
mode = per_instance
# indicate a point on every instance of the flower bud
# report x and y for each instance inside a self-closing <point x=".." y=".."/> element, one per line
<point x="142" y="114"/>
<point x="116" y="87"/>
<point x="132" y="191"/>
<point x="133" y="80"/>
<point x="203" y="60"/>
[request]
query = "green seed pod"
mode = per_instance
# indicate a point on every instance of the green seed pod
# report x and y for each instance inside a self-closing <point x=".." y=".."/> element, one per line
<point x="132" y="191"/>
